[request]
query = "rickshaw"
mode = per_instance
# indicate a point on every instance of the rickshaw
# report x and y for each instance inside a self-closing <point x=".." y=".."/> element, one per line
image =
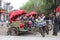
<point x="17" y="26"/>
<point x="45" y="24"/>
<point x="33" y="28"/>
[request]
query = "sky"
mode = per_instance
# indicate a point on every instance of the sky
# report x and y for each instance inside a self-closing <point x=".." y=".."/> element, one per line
<point x="17" y="3"/>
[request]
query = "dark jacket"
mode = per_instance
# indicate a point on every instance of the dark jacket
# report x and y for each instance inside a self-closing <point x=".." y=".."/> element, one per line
<point x="55" y="20"/>
<point x="58" y="19"/>
<point x="46" y="18"/>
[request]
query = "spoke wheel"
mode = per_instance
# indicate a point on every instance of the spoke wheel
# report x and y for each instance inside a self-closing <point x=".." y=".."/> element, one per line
<point x="13" y="32"/>
<point x="49" y="27"/>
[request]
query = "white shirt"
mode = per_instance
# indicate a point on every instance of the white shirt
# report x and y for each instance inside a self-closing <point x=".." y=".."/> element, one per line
<point x="41" y="18"/>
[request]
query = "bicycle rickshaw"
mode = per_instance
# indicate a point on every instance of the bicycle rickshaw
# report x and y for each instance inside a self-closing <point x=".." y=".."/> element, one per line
<point x="17" y="26"/>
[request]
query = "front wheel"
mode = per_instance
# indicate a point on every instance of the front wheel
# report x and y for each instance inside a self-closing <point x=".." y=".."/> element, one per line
<point x="49" y="27"/>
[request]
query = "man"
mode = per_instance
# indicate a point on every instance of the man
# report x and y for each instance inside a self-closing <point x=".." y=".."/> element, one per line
<point x="55" y="27"/>
<point x="56" y="18"/>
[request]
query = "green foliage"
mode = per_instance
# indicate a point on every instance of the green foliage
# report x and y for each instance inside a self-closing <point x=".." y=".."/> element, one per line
<point x="39" y="6"/>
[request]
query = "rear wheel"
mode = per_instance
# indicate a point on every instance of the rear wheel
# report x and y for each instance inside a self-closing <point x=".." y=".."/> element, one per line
<point x="13" y="33"/>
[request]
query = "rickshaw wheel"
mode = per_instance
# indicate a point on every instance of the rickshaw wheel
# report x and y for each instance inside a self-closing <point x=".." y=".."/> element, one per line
<point x="12" y="31"/>
<point x="49" y="27"/>
<point x="9" y="31"/>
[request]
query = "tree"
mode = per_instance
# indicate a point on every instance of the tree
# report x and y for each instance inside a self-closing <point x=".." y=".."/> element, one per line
<point x="40" y="6"/>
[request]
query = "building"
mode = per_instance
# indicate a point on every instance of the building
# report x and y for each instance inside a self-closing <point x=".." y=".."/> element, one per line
<point x="4" y="10"/>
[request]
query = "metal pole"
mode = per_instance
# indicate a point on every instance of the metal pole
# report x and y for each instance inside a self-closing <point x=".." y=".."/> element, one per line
<point x="7" y="13"/>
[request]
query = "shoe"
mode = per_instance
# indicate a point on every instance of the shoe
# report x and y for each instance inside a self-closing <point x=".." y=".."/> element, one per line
<point x="43" y="35"/>
<point x="54" y="34"/>
<point x="47" y="33"/>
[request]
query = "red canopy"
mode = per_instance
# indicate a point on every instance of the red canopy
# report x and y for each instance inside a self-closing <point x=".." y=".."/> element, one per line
<point x="13" y="14"/>
<point x="21" y="12"/>
<point x="28" y="15"/>
<point x="17" y="13"/>
<point x="58" y="9"/>
<point x="33" y="13"/>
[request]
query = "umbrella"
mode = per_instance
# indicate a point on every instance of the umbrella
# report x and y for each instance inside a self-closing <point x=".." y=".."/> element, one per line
<point x="58" y="9"/>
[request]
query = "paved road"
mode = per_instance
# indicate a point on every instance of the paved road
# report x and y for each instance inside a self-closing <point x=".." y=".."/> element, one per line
<point x="26" y="36"/>
<point x="3" y="29"/>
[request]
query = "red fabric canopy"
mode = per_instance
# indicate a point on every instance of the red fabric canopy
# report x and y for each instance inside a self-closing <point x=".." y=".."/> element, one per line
<point x="18" y="12"/>
<point x="14" y="15"/>
<point x="58" y="9"/>
<point x="21" y="12"/>
<point x="28" y="15"/>
<point x="33" y="13"/>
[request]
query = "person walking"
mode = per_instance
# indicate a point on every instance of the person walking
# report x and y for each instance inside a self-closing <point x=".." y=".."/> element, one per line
<point x="58" y="21"/>
<point x="55" y="27"/>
